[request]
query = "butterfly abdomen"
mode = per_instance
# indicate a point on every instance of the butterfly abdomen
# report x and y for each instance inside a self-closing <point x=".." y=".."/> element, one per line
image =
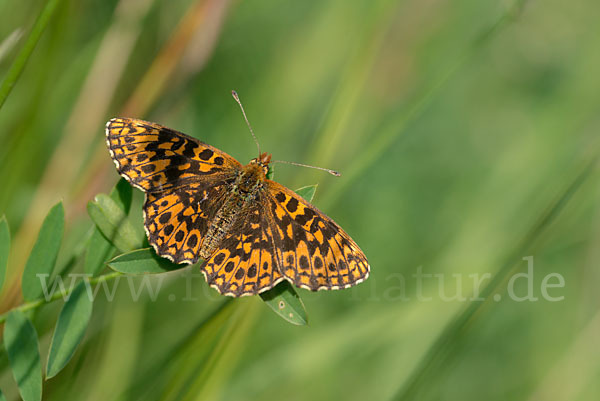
<point x="220" y="226"/>
<point x="244" y="190"/>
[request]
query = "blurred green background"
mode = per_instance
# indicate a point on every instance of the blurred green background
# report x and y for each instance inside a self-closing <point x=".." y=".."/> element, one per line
<point x="465" y="131"/>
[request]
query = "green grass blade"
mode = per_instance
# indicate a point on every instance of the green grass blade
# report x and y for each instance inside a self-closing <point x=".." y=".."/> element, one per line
<point x="70" y="328"/>
<point x="143" y="261"/>
<point x="43" y="255"/>
<point x="195" y="344"/>
<point x="113" y="223"/>
<point x="212" y="373"/>
<point x="285" y="301"/>
<point x="21" y="343"/>
<point x="99" y="249"/>
<point x="4" y="248"/>
<point x="19" y="64"/>
<point x="444" y="344"/>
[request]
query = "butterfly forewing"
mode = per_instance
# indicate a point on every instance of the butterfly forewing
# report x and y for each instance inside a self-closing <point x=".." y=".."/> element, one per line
<point x="155" y="158"/>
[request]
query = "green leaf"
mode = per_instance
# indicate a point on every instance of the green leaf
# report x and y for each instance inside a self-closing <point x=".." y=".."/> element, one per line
<point x="143" y="261"/>
<point x="2" y="397"/>
<point x="307" y="192"/>
<point x="122" y="194"/>
<point x="286" y="302"/>
<point x="270" y="172"/>
<point x="43" y="255"/>
<point x="70" y="328"/>
<point x="99" y="249"/>
<point x="20" y="341"/>
<point x="4" y="248"/>
<point x="113" y="223"/>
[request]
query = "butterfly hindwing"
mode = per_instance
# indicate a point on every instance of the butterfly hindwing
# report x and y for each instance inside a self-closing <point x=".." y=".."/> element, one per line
<point x="154" y="158"/>
<point x="245" y="264"/>
<point x="177" y="220"/>
<point x="314" y="252"/>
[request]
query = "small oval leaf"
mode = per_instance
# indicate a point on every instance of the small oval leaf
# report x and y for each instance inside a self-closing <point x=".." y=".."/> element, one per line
<point x="21" y="343"/>
<point x="286" y="302"/>
<point x="122" y="194"/>
<point x="113" y="223"/>
<point x="99" y="249"/>
<point x="4" y="248"/>
<point x="307" y="192"/>
<point x="143" y="261"/>
<point x="43" y="255"/>
<point x="70" y="328"/>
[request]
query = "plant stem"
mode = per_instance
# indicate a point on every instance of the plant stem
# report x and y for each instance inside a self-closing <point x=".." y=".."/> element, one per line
<point x="57" y="295"/>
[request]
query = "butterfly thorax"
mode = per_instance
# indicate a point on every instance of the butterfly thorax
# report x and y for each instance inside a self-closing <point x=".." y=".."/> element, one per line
<point x="244" y="191"/>
<point x="252" y="177"/>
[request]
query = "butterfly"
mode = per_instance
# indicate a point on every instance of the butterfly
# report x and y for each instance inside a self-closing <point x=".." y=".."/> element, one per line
<point x="251" y="232"/>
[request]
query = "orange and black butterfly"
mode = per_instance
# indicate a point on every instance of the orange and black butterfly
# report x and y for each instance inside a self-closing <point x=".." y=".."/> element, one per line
<point x="250" y="231"/>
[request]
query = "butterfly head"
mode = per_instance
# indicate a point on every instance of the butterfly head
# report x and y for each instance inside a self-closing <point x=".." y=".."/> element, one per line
<point x="263" y="161"/>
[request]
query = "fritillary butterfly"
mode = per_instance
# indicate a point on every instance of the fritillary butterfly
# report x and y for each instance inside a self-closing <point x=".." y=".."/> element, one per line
<point x="250" y="231"/>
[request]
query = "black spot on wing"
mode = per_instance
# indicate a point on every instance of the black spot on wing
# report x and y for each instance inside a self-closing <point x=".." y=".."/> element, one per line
<point x="206" y="154"/>
<point x="219" y="258"/>
<point x="292" y="205"/>
<point x="280" y="197"/>
<point x="164" y="218"/>
<point x="148" y="168"/>
<point x="192" y="241"/>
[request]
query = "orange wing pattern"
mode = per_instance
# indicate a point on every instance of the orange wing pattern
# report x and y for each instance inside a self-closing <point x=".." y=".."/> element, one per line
<point x="282" y="236"/>
<point x="154" y="158"/>
<point x="186" y="182"/>
<point x="258" y="231"/>
<point x="245" y="264"/>
<point x="313" y="251"/>
<point x="176" y="221"/>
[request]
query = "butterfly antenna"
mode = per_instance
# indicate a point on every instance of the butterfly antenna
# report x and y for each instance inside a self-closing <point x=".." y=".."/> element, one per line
<point x="332" y="172"/>
<point x="237" y="99"/>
